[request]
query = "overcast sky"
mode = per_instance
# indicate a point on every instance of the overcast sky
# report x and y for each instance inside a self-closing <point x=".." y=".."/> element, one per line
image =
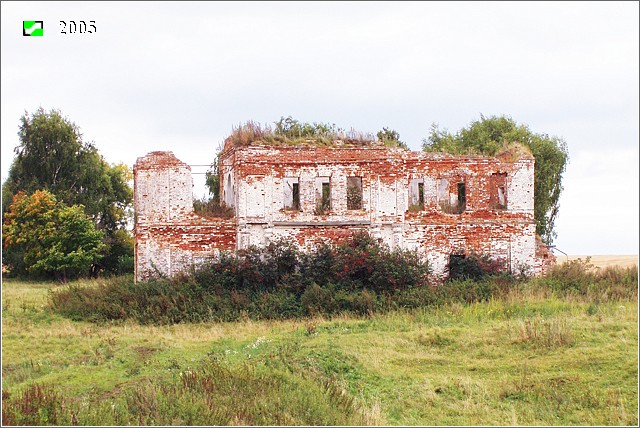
<point x="178" y="76"/>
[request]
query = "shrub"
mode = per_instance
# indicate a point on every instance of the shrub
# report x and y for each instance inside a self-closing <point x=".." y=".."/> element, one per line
<point x="575" y="275"/>
<point x="279" y="304"/>
<point x="125" y="264"/>
<point x="289" y="131"/>
<point x="363" y="263"/>
<point x="362" y="302"/>
<point x="466" y="291"/>
<point x="278" y="281"/>
<point x="417" y="297"/>
<point x="473" y="266"/>
<point x="317" y="300"/>
<point x="318" y="265"/>
<point x="211" y="208"/>
<point x="580" y="278"/>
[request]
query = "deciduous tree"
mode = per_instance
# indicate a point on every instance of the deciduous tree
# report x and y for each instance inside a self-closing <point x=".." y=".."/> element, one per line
<point x="488" y="136"/>
<point x="52" y="156"/>
<point x="43" y="236"/>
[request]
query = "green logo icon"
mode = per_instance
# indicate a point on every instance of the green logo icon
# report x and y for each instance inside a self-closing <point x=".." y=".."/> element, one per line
<point x="32" y="28"/>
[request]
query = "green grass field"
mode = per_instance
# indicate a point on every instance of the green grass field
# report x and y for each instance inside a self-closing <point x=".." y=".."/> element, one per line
<point x="527" y="359"/>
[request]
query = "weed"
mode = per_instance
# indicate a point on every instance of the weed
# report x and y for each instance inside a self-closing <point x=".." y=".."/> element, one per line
<point x="311" y="327"/>
<point x="545" y="333"/>
<point x="414" y="208"/>
<point x="36" y="405"/>
<point x="274" y="282"/>
<point x="474" y="266"/>
<point x="434" y="338"/>
<point x="289" y="131"/>
<point x="211" y="208"/>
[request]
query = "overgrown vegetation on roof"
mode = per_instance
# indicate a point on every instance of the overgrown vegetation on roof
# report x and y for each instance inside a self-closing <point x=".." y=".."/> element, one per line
<point x="511" y="152"/>
<point x="291" y="132"/>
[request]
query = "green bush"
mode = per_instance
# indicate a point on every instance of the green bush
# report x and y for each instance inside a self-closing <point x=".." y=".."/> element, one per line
<point x="274" y="282"/>
<point x="580" y="277"/>
<point x="466" y="291"/>
<point x="317" y="300"/>
<point x="363" y="302"/>
<point x="279" y="282"/>
<point x="473" y="266"/>
<point x="574" y="275"/>
<point x="418" y="297"/>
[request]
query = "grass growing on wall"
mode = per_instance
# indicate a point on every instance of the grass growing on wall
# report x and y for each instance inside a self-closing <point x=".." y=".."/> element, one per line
<point x="291" y="132"/>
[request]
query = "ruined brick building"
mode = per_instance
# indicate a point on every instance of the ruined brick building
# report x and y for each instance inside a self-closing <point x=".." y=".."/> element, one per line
<point x="440" y="205"/>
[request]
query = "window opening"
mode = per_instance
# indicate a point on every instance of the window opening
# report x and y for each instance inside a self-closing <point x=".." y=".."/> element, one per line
<point x="416" y="195"/>
<point x="291" y="194"/>
<point x="462" y="198"/>
<point x="450" y="202"/>
<point x="498" y="192"/>
<point x="323" y="195"/>
<point x="326" y="196"/>
<point x="296" y="196"/>
<point x="354" y="193"/>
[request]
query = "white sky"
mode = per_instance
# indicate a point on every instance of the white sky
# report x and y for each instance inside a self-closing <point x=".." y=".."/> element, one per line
<point x="178" y="76"/>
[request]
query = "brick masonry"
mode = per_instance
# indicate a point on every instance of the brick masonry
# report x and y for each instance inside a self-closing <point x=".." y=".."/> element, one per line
<point x="435" y="204"/>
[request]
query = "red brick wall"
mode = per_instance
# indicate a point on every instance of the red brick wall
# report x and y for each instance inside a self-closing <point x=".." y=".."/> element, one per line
<point x="169" y="236"/>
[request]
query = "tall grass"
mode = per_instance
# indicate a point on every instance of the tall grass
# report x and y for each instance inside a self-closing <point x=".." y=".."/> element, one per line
<point x="215" y="394"/>
<point x="288" y="131"/>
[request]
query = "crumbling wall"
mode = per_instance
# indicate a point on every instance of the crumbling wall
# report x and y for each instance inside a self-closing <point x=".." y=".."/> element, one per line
<point x="435" y="204"/>
<point x="169" y="237"/>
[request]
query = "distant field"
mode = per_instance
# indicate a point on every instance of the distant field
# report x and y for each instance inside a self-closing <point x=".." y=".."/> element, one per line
<point x="605" y="261"/>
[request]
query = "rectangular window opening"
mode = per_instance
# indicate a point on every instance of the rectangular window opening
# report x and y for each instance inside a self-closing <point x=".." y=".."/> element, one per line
<point x="291" y="194"/>
<point x="296" y="196"/>
<point x="416" y="195"/>
<point x="323" y="195"/>
<point x="462" y="198"/>
<point x="326" y="196"/>
<point x="354" y="193"/>
<point x="498" y="191"/>
<point x="444" y="197"/>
